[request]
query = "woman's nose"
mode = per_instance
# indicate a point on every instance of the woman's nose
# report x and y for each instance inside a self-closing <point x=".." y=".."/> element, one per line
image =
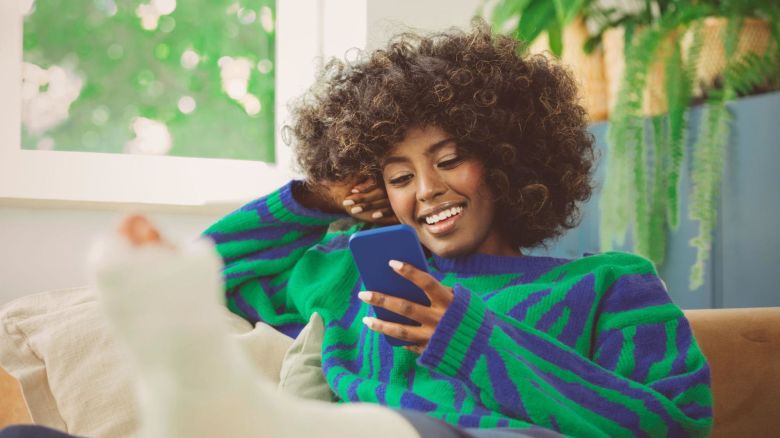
<point x="429" y="186"/>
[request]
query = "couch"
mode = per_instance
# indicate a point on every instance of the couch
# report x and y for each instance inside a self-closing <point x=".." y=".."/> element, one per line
<point x="742" y="345"/>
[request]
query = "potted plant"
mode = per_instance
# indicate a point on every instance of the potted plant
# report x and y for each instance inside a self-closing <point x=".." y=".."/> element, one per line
<point x="641" y="191"/>
<point x="659" y="52"/>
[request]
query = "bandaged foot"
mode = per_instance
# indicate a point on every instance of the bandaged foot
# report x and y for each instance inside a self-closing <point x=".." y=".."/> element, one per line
<point x="165" y="301"/>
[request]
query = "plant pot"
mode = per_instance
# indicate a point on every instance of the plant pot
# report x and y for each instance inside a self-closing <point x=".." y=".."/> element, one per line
<point x="754" y="37"/>
<point x="588" y="69"/>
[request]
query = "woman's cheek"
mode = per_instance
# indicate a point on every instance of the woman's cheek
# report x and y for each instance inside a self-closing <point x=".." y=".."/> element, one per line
<point x="398" y="202"/>
<point x="472" y="175"/>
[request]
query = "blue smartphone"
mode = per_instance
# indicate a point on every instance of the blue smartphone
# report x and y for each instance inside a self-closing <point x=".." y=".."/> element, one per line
<point x="372" y="249"/>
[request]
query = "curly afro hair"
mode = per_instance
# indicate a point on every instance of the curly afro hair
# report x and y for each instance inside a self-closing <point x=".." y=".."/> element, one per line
<point x="518" y="115"/>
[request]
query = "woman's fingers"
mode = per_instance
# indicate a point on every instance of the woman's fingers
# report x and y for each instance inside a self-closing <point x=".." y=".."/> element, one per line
<point x="436" y="291"/>
<point x="364" y="186"/>
<point x="381" y="216"/>
<point x="381" y="204"/>
<point x="371" y="205"/>
<point x="388" y="218"/>
<point x="421" y="279"/>
<point x="382" y="213"/>
<point x="428" y="317"/>
<point x="365" y="198"/>
<point x="416" y="312"/>
<point x="398" y="331"/>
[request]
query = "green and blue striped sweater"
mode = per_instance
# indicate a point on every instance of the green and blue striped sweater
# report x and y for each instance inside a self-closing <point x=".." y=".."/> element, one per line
<point x="588" y="347"/>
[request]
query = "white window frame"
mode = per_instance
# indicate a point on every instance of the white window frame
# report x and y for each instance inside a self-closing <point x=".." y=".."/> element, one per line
<point x="306" y="31"/>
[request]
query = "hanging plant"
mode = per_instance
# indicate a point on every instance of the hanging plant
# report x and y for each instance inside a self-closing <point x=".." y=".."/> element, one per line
<point x="662" y="43"/>
<point x="641" y="191"/>
<point x="631" y="200"/>
<point x="741" y="76"/>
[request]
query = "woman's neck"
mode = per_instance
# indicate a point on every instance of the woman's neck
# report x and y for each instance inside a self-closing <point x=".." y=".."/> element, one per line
<point x="495" y="244"/>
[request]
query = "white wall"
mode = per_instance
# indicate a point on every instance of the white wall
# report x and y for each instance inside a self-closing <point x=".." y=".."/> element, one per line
<point x="386" y="17"/>
<point x="44" y="247"/>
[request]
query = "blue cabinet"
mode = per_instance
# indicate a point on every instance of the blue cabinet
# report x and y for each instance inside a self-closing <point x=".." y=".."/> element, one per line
<point x="744" y="267"/>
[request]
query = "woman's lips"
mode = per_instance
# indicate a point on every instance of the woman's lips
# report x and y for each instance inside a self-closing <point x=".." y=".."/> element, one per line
<point x="445" y="226"/>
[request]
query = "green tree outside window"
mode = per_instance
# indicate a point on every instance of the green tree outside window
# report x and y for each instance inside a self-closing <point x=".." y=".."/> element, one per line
<point x="192" y="78"/>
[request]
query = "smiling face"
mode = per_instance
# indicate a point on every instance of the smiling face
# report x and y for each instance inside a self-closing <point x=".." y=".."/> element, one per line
<point x="442" y="195"/>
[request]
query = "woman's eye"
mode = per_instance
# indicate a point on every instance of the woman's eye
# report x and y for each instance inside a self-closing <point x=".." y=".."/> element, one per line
<point x="452" y="162"/>
<point x="400" y="180"/>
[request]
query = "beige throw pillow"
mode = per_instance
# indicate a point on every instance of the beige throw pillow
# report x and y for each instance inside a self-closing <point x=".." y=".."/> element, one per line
<point x="57" y="345"/>
<point x="76" y="379"/>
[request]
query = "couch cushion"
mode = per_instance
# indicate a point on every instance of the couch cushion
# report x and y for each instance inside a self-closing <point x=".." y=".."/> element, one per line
<point x="301" y="374"/>
<point x="75" y="378"/>
<point x="743" y="349"/>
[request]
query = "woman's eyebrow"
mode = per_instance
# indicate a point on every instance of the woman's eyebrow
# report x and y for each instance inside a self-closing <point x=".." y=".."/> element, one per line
<point x="432" y="149"/>
<point x="429" y="151"/>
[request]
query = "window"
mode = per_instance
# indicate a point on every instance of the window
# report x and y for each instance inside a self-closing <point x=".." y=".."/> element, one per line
<point x="191" y="79"/>
<point x="161" y="139"/>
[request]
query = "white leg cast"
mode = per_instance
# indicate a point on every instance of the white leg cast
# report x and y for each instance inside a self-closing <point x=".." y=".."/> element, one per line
<point x="193" y="380"/>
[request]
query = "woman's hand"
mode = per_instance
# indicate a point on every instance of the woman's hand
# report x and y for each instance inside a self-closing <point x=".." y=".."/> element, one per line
<point x="368" y="202"/>
<point x="429" y="316"/>
<point x="360" y="198"/>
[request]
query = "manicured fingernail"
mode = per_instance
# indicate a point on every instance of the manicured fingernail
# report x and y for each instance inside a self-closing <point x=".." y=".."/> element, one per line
<point x="377" y="215"/>
<point x="348" y="202"/>
<point x="365" y="296"/>
<point x="395" y="264"/>
<point x="369" y="321"/>
<point x="356" y="210"/>
<point x="355" y="191"/>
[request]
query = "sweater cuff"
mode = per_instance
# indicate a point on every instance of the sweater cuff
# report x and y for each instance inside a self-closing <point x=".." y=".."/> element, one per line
<point x="286" y="208"/>
<point x="461" y="334"/>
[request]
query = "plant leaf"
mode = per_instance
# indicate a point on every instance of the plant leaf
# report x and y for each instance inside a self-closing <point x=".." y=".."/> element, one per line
<point x="506" y="9"/>
<point x="566" y="10"/>
<point x="534" y="19"/>
<point x="657" y="226"/>
<point x="555" y="36"/>
<point x="709" y="154"/>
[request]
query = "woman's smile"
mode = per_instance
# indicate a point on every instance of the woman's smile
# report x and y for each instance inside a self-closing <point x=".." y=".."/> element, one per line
<point x="443" y="221"/>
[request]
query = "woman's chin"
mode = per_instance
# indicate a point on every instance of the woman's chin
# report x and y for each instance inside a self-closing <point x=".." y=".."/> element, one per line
<point x="448" y="250"/>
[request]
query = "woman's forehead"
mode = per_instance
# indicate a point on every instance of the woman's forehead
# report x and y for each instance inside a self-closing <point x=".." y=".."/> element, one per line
<point x="419" y="141"/>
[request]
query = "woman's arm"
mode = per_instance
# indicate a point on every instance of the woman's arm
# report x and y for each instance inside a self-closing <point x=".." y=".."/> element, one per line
<point x="645" y="377"/>
<point x="262" y="241"/>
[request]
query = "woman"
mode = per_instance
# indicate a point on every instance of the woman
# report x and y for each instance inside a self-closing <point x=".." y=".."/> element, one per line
<point x="485" y="154"/>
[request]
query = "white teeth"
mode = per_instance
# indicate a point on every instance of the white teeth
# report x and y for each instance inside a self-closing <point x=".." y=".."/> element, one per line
<point x="432" y="219"/>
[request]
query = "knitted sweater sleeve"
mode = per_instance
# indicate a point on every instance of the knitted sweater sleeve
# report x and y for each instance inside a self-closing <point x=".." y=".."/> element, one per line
<point x="260" y="243"/>
<point x="645" y="375"/>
